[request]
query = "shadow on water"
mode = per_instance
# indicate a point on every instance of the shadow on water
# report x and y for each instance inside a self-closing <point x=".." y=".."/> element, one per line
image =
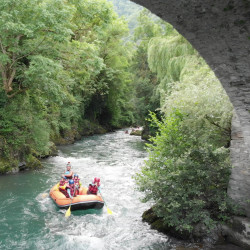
<point x="87" y="212"/>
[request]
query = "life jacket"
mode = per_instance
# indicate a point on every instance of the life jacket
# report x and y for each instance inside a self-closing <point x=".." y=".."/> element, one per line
<point x="72" y="189"/>
<point x="77" y="182"/>
<point x="68" y="172"/>
<point x="62" y="189"/>
<point x="93" y="189"/>
<point x="77" y="185"/>
<point x="62" y="182"/>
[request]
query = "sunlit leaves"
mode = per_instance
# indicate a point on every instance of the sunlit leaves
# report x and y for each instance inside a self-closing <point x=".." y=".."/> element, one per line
<point x="59" y="58"/>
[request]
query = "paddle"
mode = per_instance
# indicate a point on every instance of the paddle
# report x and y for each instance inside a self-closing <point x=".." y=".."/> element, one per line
<point x="68" y="212"/>
<point x="109" y="211"/>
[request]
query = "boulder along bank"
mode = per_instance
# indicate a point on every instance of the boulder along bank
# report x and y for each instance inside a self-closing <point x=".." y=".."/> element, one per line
<point x="233" y="235"/>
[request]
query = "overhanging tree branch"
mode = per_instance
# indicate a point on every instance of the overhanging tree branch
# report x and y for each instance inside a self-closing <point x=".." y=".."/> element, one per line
<point x="227" y="131"/>
<point x="15" y="93"/>
<point x="27" y="53"/>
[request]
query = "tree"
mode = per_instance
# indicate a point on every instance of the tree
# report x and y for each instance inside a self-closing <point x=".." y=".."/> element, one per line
<point x="186" y="179"/>
<point x="24" y="26"/>
<point x="145" y="81"/>
<point x="187" y="173"/>
<point x="57" y="58"/>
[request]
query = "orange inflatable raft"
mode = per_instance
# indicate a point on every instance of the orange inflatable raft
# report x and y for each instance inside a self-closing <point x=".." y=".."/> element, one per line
<point x="81" y="201"/>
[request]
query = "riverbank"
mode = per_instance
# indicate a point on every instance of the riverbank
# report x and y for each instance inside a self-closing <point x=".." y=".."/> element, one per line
<point x="40" y="222"/>
<point x="232" y="235"/>
<point x="114" y="158"/>
<point x="27" y="158"/>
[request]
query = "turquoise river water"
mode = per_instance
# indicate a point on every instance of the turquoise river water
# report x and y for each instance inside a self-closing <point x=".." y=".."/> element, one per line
<point x="30" y="220"/>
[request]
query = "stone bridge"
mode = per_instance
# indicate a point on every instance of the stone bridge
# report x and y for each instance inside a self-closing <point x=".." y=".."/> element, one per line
<point x="220" y="31"/>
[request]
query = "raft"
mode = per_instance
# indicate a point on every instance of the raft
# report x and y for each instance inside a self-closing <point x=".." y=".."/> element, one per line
<point x="82" y="201"/>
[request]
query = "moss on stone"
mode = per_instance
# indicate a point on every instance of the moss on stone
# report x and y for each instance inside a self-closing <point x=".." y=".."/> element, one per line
<point x="136" y="132"/>
<point x="91" y="128"/>
<point x="149" y="216"/>
<point x="11" y="165"/>
<point x="28" y="158"/>
<point x="53" y="150"/>
<point x="8" y="165"/>
<point x="66" y="137"/>
<point x="158" y="224"/>
<point x="32" y="162"/>
<point x="86" y="128"/>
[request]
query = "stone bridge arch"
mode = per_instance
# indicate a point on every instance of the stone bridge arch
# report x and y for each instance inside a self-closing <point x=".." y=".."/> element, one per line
<point x="220" y="31"/>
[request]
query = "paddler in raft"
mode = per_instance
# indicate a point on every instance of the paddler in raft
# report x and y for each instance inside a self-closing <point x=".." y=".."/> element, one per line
<point x="62" y="186"/>
<point x="68" y="173"/>
<point x="77" y="183"/>
<point x="68" y="188"/>
<point x="93" y="187"/>
<point x="71" y="189"/>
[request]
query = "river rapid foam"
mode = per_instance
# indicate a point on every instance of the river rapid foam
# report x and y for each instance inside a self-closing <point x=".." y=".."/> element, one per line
<point x="30" y="220"/>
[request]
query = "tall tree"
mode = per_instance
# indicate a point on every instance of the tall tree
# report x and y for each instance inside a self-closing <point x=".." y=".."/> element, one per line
<point x="145" y="81"/>
<point x="188" y="168"/>
<point x="60" y="62"/>
<point x="24" y="27"/>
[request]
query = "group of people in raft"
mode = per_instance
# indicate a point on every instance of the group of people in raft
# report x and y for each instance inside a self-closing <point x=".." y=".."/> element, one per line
<point x="70" y="184"/>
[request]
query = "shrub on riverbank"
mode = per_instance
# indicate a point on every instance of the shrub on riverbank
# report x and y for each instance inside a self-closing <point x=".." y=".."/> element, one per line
<point x="186" y="178"/>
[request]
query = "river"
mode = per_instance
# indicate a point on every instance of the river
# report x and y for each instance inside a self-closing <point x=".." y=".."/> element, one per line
<point x="30" y="220"/>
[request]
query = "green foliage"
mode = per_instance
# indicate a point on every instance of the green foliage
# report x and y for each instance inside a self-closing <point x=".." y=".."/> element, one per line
<point x="24" y="26"/>
<point x="188" y="169"/>
<point x="129" y="10"/>
<point x="61" y="62"/>
<point x="186" y="178"/>
<point x="170" y="57"/>
<point x="206" y="105"/>
<point x="146" y="96"/>
<point x="187" y="84"/>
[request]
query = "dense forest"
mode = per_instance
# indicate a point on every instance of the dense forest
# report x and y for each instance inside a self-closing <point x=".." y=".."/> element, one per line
<point x="64" y="71"/>
<point x="68" y="69"/>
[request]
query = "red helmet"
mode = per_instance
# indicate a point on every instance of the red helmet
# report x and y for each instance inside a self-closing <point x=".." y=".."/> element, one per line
<point x="97" y="180"/>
